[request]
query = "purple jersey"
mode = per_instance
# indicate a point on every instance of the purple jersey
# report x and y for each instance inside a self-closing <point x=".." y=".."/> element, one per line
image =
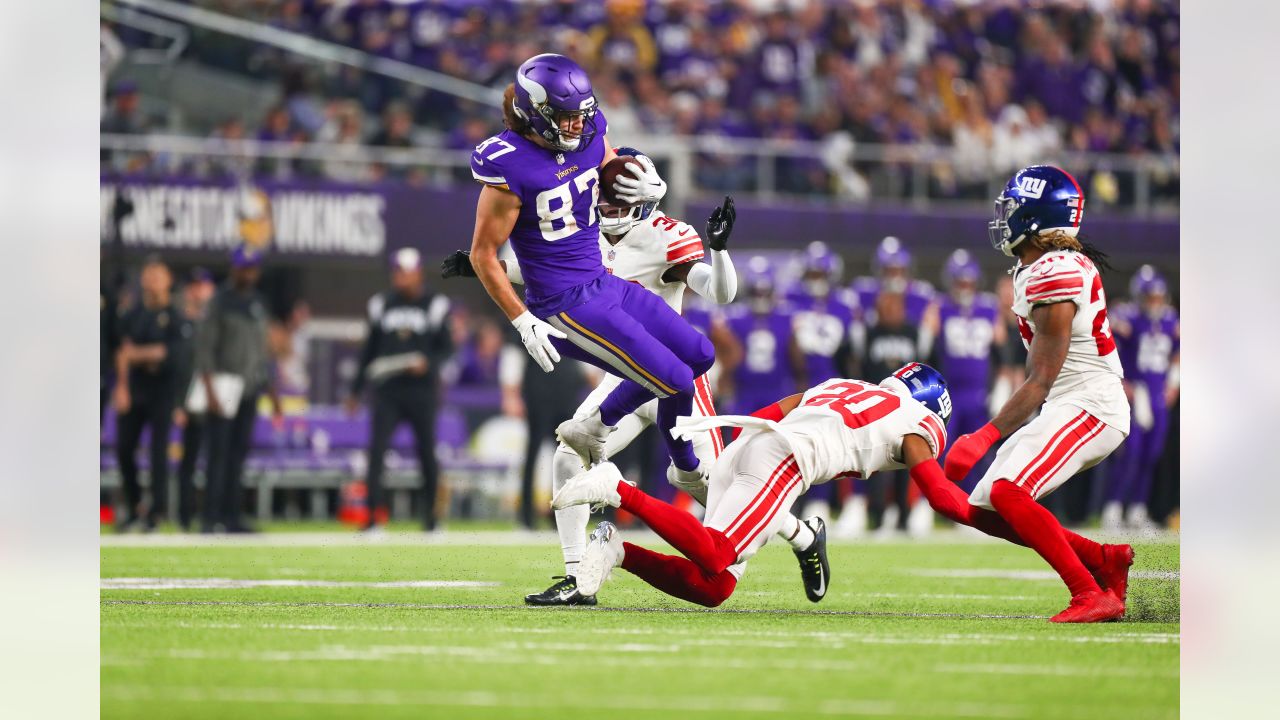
<point x="1149" y="348"/>
<point x="556" y="236"/>
<point x="918" y="295"/>
<point x="765" y="374"/>
<point x="821" y="327"/>
<point x="966" y="334"/>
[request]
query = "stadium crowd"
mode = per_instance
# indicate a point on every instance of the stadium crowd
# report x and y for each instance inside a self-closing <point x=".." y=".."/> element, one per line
<point x="798" y="320"/>
<point x="1000" y="85"/>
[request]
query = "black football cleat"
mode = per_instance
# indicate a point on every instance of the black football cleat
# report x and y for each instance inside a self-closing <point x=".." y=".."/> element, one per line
<point x="814" y="569"/>
<point x="563" y="592"/>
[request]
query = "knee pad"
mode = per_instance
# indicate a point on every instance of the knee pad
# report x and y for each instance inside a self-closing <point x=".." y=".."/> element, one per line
<point x="704" y="358"/>
<point x="681" y="379"/>
<point x="564" y="465"/>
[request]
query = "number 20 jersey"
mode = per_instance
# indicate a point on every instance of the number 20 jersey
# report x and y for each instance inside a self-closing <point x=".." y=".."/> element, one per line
<point x="1091" y="376"/>
<point x="556" y="235"/>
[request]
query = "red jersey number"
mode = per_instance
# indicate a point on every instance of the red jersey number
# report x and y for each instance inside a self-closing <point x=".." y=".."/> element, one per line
<point x="858" y="404"/>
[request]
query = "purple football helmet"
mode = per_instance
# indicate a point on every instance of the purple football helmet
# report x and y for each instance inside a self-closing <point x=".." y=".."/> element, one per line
<point x="1147" y="281"/>
<point x="822" y="269"/>
<point x="891" y="254"/>
<point x="960" y="267"/>
<point x="757" y="278"/>
<point x="550" y="88"/>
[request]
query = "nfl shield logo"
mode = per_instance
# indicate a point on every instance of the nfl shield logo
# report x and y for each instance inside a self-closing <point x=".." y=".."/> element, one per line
<point x="612" y="254"/>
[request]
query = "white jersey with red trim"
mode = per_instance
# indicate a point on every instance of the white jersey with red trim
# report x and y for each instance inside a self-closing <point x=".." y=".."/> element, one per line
<point x="842" y="427"/>
<point x="651" y="248"/>
<point x="1091" y="376"/>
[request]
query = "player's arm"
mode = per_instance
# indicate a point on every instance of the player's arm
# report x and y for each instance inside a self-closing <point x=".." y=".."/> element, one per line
<point x="609" y="154"/>
<point x="1044" y="361"/>
<point x="496" y="214"/>
<point x="717" y="281"/>
<point x="458" y="264"/>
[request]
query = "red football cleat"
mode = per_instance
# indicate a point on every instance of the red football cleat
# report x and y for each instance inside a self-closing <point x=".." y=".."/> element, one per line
<point x="1091" y="607"/>
<point x="1113" y="576"/>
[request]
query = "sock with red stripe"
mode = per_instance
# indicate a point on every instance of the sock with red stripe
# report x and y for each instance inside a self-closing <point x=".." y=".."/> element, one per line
<point x="950" y="501"/>
<point x="1043" y="533"/>
<point x="707" y="548"/>
<point x="677" y="576"/>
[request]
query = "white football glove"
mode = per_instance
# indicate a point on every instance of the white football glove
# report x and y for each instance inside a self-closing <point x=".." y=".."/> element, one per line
<point x="647" y="187"/>
<point x="536" y="336"/>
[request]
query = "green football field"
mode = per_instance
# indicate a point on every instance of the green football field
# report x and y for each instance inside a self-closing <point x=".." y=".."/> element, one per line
<point x="323" y="626"/>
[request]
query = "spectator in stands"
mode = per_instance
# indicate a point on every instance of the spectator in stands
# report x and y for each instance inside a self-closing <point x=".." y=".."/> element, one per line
<point x="344" y="130"/>
<point x="407" y="345"/>
<point x="396" y="132"/>
<point x="232" y="365"/>
<point x="196" y="295"/>
<point x="150" y="333"/>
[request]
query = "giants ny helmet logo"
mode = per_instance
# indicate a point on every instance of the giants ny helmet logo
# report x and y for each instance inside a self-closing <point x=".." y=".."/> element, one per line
<point x="1032" y="186"/>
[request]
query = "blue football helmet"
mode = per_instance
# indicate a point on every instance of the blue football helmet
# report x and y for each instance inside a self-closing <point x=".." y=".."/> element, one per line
<point x="616" y="220"/>
<point x="923" y="384"/>
<point x="550" y="87"/>
<point x="1036" y="199"/>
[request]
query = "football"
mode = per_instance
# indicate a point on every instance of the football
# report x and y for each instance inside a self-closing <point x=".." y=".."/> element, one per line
<point x="612" y="170"/>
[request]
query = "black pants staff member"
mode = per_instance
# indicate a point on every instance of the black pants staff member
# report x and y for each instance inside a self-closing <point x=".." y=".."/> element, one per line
<point x="195" y="301"/>
<point x="145" y="392"/>
<point x="231" y="343"/>
<point x="408" y="341"/>
<point x="891" y="343"/>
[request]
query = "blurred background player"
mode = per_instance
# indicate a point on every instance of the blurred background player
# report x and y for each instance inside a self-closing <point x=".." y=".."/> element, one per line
<point x="967" y="330"/>
<point x="196" y="295"/>
<point x="408" y="341"/>
<point x="233" y="366"/>
<point x="768" y="362"/>
<point x="892" y="266"/>
<point x="149" y="334"/>
<point x="1148" y="338"/>
<point x="827" y="337"/>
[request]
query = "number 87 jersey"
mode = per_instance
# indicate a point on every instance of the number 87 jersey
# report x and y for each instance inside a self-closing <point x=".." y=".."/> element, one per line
<point x="1091" y="376"/>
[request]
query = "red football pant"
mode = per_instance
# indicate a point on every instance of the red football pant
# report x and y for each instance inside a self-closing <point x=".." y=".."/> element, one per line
<point x="951" y="502"/>
<point x="703" y="577"/>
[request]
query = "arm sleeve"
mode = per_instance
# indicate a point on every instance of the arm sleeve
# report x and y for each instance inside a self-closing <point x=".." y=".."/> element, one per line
<point x="513" y="269"/>
<point x="370" y="349"/>
<point x="717" y="281"/>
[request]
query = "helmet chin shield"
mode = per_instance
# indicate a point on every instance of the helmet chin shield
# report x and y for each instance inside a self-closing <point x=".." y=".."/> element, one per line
<point x="998" y="230"/>
<point x="619" y="221"/>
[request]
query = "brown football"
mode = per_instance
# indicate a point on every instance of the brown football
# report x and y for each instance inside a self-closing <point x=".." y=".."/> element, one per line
<point x="612" y="170"/>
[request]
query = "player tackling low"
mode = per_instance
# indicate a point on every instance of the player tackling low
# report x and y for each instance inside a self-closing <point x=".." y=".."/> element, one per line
<point x="837" y="427"/>
<point x="1073" y="380"/>
<point x="643" y="245"/>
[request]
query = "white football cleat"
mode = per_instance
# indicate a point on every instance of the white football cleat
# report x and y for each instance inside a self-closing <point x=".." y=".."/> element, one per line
<point x="604" y="553"/>
<point x="586" y="437"/>
<point x="597" y="486"/>
<point x="694" y="482"/>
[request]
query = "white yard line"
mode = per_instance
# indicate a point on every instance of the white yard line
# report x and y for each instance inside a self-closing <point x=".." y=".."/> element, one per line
<point x="677" y="704"/>
<point x="1053" y="670"/>
<point x="133" y="583"/>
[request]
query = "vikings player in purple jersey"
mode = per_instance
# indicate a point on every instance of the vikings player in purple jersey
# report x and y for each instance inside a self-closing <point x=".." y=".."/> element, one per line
<point x="892" y="265"/>
<point x="825" y="327"/>
<point x="768" y="364"/>
<point x="967" y="325"/>
<point x="541" y="190"/>
<point x="1147" y="334"/>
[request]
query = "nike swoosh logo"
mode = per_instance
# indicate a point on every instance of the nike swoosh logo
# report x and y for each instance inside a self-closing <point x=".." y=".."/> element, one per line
<point x="686" y="232"/>
<point x="822" y="589"/>
<point x="479" y="161"/>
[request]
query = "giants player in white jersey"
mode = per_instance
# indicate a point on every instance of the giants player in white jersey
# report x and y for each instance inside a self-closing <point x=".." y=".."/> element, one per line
<point x="643" y="245"/>
<point x="837" y="427"/>
<point x="1073" y="380"/>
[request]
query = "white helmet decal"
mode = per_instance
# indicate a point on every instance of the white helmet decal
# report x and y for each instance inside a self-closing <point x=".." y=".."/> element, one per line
<point x="537" y="93"/>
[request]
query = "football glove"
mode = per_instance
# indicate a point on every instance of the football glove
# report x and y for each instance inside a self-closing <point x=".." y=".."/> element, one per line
<point x="633" y="189"/>
<point x="457" y="265"/>
<point x="720" y="224"/>
<point x="967" y="450"/>
<point x="536" y="336"/>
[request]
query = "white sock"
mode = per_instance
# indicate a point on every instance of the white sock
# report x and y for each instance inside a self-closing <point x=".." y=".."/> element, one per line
<point x="797" y="534"/>
<point x="571" y="522"/>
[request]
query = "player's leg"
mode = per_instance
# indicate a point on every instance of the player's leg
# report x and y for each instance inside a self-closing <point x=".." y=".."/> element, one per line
<point x="1123" y="478"/>
<point x="160" y="420"/>
<point x="382" y="425"/>
<point x="1145" y="468"/>
<point x="419" y="407"/>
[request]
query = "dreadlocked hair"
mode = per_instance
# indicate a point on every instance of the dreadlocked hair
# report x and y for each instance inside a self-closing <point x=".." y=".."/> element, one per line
<point x="1058" y="240"/>
<point x="514" y="122"/>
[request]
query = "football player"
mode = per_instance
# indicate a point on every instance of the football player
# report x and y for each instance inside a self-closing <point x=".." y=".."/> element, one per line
<point x="837" y="427"/>
<point x="643" y="245"/>
<point x="892" y="265"/>
<point x="1148" y="340"/>
<point x="1074" y="381"/>
<point x="762" y="328"/>
<point x="541" y="190"/>
<point x="968" y="331"/>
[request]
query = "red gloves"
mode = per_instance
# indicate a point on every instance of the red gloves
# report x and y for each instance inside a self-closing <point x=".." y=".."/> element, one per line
<point x="967" y="450"/>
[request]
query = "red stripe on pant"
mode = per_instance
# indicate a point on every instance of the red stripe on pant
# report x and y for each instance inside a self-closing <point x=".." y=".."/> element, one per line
<point x="753" y="506"/>
<point x="702" y="396"/>
<point x="1049" y="446"/>
<point x="769" y="499"/>
<point x="1055" y="463"/>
